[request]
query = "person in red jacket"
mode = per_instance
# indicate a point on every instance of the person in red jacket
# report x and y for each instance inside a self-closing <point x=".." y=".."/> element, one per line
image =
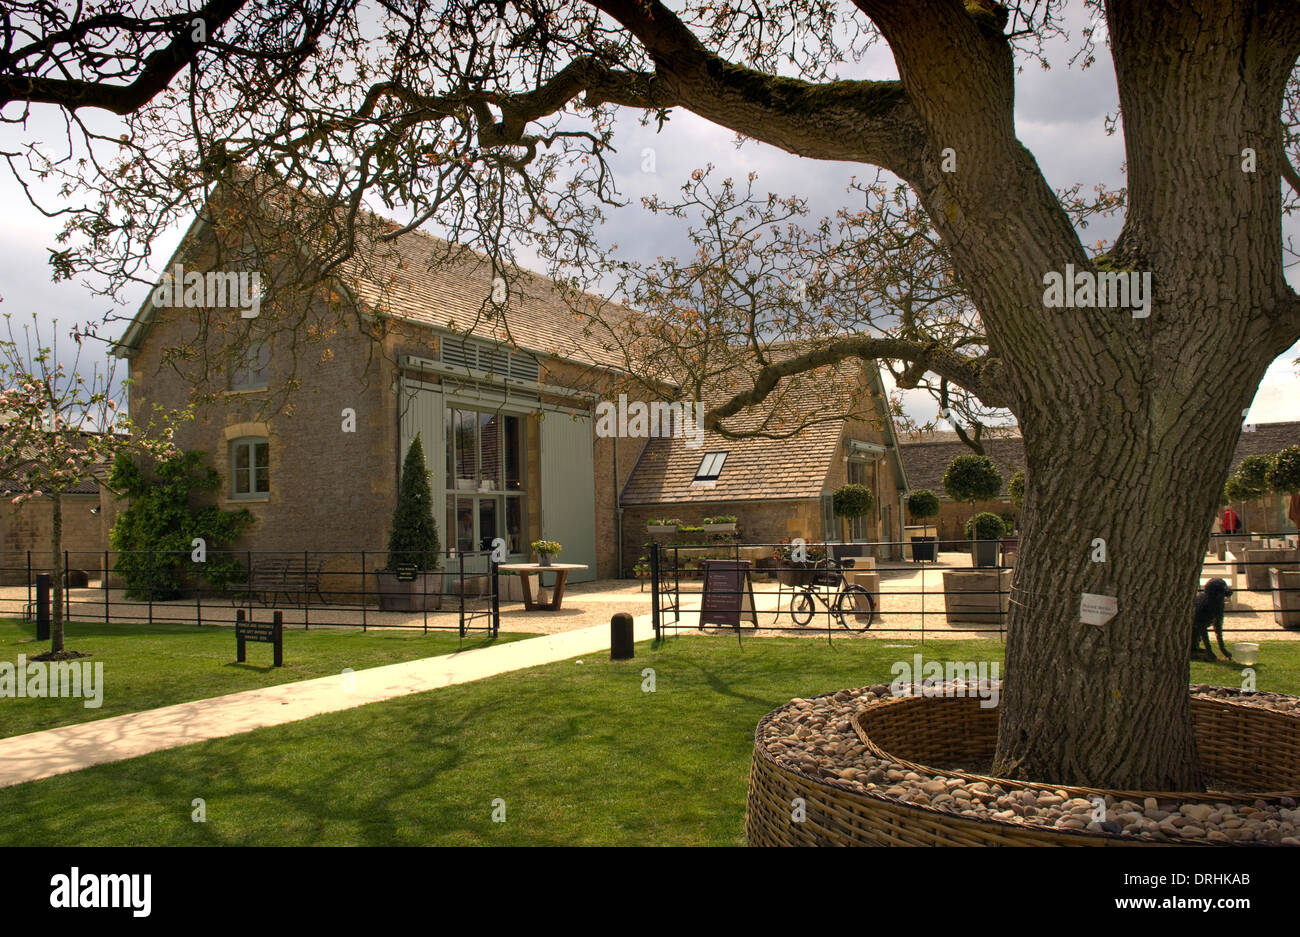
<point x="1231" y="522"/>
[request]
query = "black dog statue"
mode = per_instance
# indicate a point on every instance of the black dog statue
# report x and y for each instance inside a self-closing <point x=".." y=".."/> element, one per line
<point x="1209" y="609"/>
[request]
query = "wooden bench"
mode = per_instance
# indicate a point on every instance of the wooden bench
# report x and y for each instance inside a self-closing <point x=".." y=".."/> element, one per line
<point x="291" y="577"/>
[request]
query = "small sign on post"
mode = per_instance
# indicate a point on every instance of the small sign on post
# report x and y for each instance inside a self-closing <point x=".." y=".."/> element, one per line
<point x="728" y="593"/>
<point x="267" y="633"/>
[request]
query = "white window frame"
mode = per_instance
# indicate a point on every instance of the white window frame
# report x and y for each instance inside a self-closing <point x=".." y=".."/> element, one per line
<point x="715" y="461"/>
<point x="250" y="443"/>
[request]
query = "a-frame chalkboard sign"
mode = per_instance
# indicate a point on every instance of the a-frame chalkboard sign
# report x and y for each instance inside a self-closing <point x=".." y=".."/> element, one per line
<point x="728" y="594"/>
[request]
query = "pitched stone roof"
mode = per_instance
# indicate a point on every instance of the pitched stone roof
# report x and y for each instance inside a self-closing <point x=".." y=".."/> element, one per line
<point x="926" y="459"/>
<point x="757" y="468"/>
<point x="420" y="278"/>
<point x="1267" y="439"/>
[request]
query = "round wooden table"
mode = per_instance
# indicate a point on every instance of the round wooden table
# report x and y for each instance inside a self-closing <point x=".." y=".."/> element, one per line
<point x="525" y="570"/>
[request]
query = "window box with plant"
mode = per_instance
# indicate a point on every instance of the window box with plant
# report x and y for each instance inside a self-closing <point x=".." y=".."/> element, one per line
<point x="545" y="549"/>
<point x="722" y="524"/>
<point x="662" y="528"/>
<point x="412" y="580"/>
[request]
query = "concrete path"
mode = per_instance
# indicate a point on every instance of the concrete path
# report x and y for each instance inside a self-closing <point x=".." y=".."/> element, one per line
<point x="70" y="748"/>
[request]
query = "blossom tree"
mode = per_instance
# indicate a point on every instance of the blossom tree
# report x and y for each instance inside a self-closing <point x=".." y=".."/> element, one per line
<point x="60" y="423"/>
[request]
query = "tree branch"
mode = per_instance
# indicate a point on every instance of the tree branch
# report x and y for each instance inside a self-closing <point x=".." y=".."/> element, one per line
<point x="980" y="376"/>
<point x="158" y="71"/>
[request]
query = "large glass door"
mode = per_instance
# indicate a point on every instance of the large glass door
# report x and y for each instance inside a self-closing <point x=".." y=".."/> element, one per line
<point x="486" y="475"/>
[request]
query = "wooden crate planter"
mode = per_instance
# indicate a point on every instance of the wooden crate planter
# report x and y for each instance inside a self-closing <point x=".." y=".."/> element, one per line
<point x="1257" y="561"/>
<point x="972" y="596"/>
<point x="1286" y="596"/>
<point x="868" y="579"/>
<point x="1253" y="752"/>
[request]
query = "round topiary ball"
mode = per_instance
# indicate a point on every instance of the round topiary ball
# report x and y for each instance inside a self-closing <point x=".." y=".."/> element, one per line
<point x="1252" y="474"/>
<point x="986" y="526"/>
<point x="972" y="478"/>
<point x="852" y="501"/>
<point x="1016" y="488"/>
<point x="922" y="503"/>
<point x="1284" y="474"/>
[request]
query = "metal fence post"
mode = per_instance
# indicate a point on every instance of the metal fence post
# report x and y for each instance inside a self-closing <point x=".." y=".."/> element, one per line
<point x="654" y="590"/>
<point x="363" y="590"/>
<point x="42" y="606"/>
<point x="67" y="595"/>
<point x="496" y="599"/>
<point x="306" y="605"/>
<point x="151" y="587"/>
<point x="104" y="583"/>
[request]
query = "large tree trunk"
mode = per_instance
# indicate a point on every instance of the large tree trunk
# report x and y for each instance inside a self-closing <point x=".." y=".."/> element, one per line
<point x="1108" y="705"/>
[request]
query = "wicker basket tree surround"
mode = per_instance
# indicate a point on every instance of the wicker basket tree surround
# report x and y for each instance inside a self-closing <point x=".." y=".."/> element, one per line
<point x="1251" y="753"/>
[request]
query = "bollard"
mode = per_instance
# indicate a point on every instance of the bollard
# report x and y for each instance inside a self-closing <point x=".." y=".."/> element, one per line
<point x="42" y="606"/>
<point x="620" y="637"/>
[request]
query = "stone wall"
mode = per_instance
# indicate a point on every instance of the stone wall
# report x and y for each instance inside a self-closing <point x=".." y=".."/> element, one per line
<point x="30" y="526"/>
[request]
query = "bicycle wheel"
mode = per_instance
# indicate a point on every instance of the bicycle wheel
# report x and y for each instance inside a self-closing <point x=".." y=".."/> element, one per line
<point x="856" y="602"/>
<point x="801" y="608"/>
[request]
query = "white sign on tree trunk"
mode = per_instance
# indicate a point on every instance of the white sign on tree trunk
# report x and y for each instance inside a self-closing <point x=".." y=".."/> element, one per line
<point x="1097" y="609"/>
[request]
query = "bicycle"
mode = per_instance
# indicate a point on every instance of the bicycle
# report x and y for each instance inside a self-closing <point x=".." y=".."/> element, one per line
<point x="847" y="598"/>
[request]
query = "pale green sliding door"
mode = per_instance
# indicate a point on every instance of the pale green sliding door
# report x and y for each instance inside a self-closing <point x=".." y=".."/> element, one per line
<point x="569" y="490"/>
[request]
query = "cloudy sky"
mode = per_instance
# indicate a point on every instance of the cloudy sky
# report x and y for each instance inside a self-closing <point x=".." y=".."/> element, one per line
<point x="1059" y="114"/>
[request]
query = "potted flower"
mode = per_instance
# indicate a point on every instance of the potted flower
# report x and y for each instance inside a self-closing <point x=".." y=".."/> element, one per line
<point x="662" y="528"/>
<point x="722" y="524"/>
<point x="412" y="579"/>
<point x="922" y="504"/>
<point x="545" y="549"/>
<point x="985" y="531"/>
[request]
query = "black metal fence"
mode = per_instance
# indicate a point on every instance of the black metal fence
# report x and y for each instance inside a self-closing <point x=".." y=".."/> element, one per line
<point x="978" y="604"/>
<point x="310" y="588"/>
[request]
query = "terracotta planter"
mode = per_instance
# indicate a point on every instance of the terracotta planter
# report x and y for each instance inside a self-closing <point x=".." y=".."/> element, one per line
<point x="423" y="592"/>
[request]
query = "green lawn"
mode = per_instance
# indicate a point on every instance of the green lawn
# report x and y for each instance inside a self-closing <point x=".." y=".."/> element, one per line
<point x="578" y="752"/>
<point x="146" y="666"/>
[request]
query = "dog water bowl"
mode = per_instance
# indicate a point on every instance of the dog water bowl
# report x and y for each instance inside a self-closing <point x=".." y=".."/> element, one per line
<point x="1244" y="652"/>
